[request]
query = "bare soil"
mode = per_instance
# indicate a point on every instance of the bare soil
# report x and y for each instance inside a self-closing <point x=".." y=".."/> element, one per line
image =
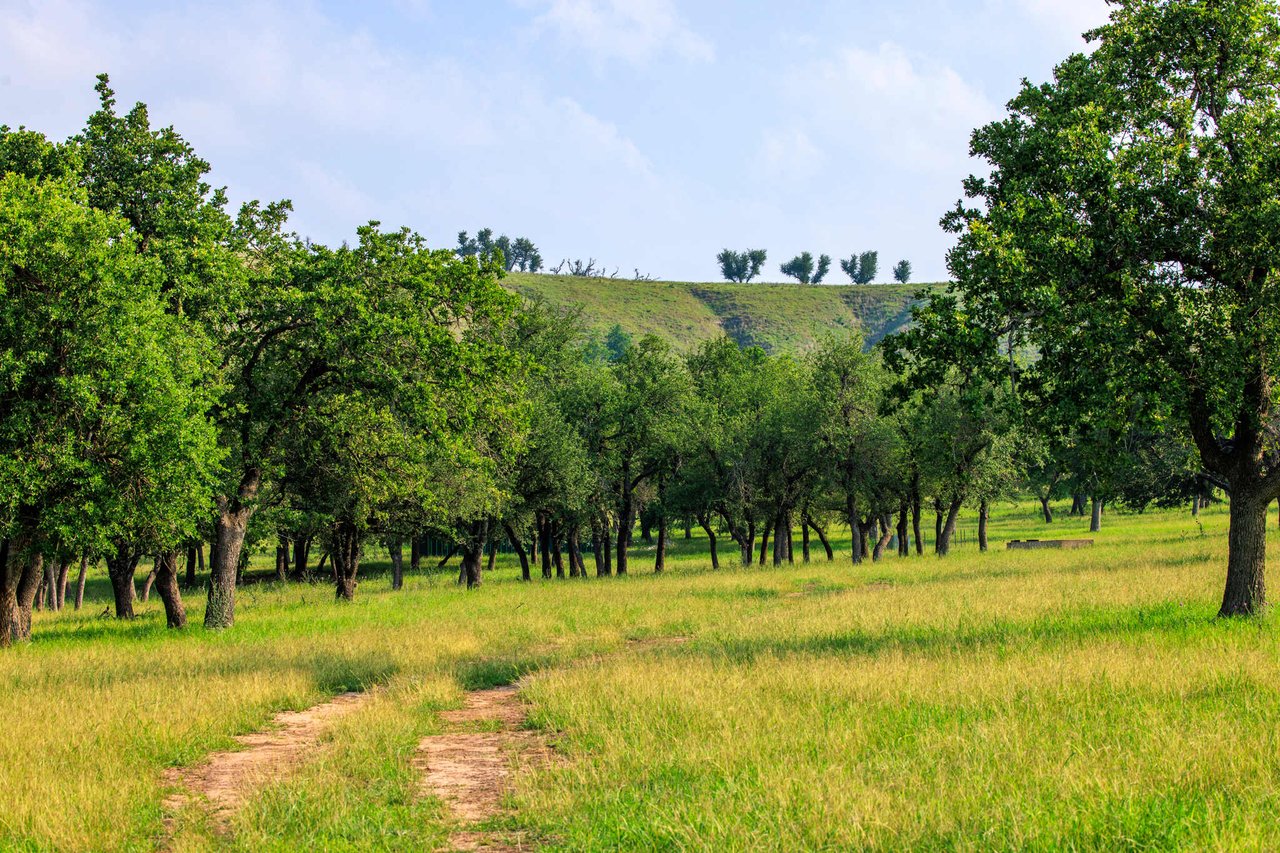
<point x="226" y="779"/>
<point x="470" y="769"/>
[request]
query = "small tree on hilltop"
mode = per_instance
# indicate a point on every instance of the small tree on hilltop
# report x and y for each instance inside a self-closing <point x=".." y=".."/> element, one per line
<point x="802" y="268"/>
<point x="519" y="253"/>
<point x="741" y="266"/>
<point x="902" y="272"/>
<point x="862" y="269"/>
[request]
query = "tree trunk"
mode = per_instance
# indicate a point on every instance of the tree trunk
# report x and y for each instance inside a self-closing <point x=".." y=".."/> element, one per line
<point x="395" y="547"/>
<point x="984" y="512"/>
<point x="577" y="568"/>
<point x="345" y="550"/>
<point x="904" y="544"/>
<point x="8" y="593"/>
<point x="190" y="579"/>
<point x="938" y="521"/>
<point x="1077" y="504"/>
<point x="886" y="533"/>
<point x="121" y="565"/>
<point x="915" y="512"/>
<point x="855" y="528"/>
<point x="473" y="553"/>
<point x="175" y="614"/>
<point x="1046" y="510"/>
<point x="64" y="569"/>
<point x="704" y="521"/>
<point x="790" y="542"/>
<point x="764" y="546"/>
<point x="233" y="519"/>
<point x="282" y="558"/>
<point x="28" y="581"/>
<point x="688" y="528"/>
<point x="660" y="555"/>
<point x="1095" y="520"/>
<point x="949" y="528"/>
<point x="553" y="529"/>
<point x="518" y="546"/>
<point x="1246" y="592"/>
<point x="751" y="543"/>
<point x="822" y="537"/>
<point x="151" y="579"/>
<point x="606" y="544"/>
<point x="301" y="554"/>
<point x="804" y="540"/>
<point x="626" y="520"/>
<point x="493" y="556"/>
<point x="80" y="578"/>
<point x="544" y="544"/>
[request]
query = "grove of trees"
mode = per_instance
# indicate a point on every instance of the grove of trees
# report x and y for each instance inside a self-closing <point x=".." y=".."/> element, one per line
<point x="177" y="377"/>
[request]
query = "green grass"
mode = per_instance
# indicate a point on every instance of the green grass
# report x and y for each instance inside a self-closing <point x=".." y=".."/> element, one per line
<point x="778" y="317"/>
<point x="1011" y="700"/>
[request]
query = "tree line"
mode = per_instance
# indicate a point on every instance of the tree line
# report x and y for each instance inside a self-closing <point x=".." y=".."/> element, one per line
<point x="861" y="267"/>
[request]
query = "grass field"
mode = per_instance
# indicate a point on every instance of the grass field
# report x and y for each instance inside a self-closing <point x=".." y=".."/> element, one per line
<point x="1011" y="700"/>
<point x="778" y="317"/>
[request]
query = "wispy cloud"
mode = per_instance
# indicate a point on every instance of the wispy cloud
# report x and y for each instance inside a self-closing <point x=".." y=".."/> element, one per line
<point x="634" y="31"/>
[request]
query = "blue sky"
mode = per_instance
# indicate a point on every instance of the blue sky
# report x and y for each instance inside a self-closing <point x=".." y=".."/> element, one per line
<point x="647" y="134"/>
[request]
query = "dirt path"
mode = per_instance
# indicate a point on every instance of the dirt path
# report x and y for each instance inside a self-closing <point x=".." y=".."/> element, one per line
<point x="225" y="779"/>
<point x="469" y="767"/>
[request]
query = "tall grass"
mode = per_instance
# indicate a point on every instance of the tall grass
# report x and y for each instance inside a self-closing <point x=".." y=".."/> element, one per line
<point x="1008" y="700"/>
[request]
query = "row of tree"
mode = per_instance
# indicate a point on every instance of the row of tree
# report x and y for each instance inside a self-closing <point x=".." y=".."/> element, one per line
<point x="862" y="268"/>
<point x="174" y="376"/>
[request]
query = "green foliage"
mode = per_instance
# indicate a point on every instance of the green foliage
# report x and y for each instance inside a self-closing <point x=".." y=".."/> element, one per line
<point x="863" y="268"/>
<point x="902" y="272"/>
<point x="104" y="397"/>
<point x="742" y="266"/>
<point x="803" y="269"/>
<point x="518" y="254"/>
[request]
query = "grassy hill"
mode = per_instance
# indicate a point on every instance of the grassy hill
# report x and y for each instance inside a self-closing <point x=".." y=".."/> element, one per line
<point x="777" y="317"/>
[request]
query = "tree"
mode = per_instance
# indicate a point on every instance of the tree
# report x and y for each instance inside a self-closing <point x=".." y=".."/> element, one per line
<point x="741" y="266"/>
<point x="1128" y="215"/>
<point x="102" y="412"/>
<point x="902" y="272"/>
<point x="387" y="317"/>
<point x="802" y="268"/>
<point x="862" y="268"/>
<point x="519" y="253"/>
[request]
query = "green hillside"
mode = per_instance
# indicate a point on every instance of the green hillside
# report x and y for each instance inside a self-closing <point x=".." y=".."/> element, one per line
<point x="778" y="317"/>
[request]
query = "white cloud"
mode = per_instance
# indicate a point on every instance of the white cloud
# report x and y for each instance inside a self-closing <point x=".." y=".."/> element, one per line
<point x="634" y="31"/>
<point x="1067" y="18"/>
<point x="788" y="154"/>
<point x="911" y="114"/>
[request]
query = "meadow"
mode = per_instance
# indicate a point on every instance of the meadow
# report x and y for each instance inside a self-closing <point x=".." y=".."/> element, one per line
<point x="778" y="317"/>
<point x="1007" y="700"/>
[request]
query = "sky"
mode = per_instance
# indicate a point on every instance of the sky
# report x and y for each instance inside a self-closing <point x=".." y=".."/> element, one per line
<point x="647" y="134"/>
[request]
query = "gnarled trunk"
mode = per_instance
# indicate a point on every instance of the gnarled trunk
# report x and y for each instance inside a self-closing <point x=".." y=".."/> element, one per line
<point x="518" y="546"/>
<point x="949" y="527"/>
<point x="80" y="578"/>
<point x="855" y="528"/>
<point x="175" y="614"/>
<point x="886" y="533"/>
<point x="904" y="545"/>
<point x="1246" y="590"/>
<point x="1046" y="510"/>
<point x="345" y="552"/>
<point x="121" y="565"/>
<point x="473" y="553"/>
<point x="704" y="521"/>
<point x="395" y="548"/>
<point x="229" y="530"/>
